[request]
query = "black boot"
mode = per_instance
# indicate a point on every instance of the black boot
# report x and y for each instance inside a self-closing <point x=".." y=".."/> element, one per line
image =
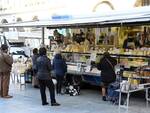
<point x="55" y="104"/>
<point x="104" y="98"/>
<point x="46" y="103"/>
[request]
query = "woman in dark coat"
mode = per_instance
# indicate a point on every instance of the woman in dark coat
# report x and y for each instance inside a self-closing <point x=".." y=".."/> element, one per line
<point x="106" y="65"/>
<point x="34" y="58"/>
<point x="43" y="67"/>
<point x="60" y="68"/>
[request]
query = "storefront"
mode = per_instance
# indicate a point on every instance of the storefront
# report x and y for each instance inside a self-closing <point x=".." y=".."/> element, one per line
<point x="91" y="35"/>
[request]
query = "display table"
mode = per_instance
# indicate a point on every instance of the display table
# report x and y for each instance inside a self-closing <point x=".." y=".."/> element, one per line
<point x="91" y="77"/>
<point x="145" y="87"/>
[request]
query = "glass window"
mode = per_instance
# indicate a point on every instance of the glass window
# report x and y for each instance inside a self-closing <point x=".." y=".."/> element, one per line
<point x="2" y="40"/>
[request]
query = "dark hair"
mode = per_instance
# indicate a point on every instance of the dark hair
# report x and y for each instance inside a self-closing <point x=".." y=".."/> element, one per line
<point x="55" y="30"/>
<point x="4" y="47"/>
<point x="35" y="51"/>
<point x="58" y="56"/>
<point x="106" y="54"/>
<point x="130" y="34"/>
<point x="42" y="51"/>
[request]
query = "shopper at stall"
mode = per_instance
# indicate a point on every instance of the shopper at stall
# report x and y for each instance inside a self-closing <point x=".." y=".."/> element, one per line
<point x="34" y="58"/>
<point x="43" y="67"/>
<point x="106" y="65"/>
<point x="60" y="68"/>
<point x="6" y="62"/>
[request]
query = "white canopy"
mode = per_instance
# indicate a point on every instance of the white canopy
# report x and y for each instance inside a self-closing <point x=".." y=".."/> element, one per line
<point x="132" y="16"/>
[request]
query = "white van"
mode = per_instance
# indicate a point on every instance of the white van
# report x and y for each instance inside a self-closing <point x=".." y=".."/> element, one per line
<point x="18" y="50"/>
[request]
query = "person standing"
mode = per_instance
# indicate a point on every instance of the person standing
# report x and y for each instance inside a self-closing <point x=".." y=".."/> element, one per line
<point x="6" y="62"/>
<point x="34" y="58"/>
<point x="106" y="65"/>
<point x="60" y="68"/>
<point x="43" y="67"/>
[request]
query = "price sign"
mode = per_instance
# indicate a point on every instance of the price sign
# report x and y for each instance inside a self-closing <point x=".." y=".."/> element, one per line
<point x="93" y="56"/>
<point x="88" y="68"/>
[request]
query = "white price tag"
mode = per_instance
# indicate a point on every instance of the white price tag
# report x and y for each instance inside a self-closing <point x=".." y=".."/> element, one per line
<point x="93" y="56"/>
<point x="88" y="68"/>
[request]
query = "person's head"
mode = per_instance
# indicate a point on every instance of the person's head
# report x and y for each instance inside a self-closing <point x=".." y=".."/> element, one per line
<point x="58" y="56"/>
<point x="89" y="30"/>
<point x="4" y="48"/>
<point x="35" y="51"/>
<point x="55" y="32"/>
<point x="42" y="51"/>
<point x="106" y="54"/>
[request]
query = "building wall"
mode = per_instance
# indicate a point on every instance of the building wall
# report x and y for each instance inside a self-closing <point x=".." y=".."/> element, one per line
<point x="27" y="9"/>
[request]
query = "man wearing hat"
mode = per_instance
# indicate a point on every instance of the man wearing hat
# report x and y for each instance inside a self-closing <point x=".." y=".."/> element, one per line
<point x="6" y="62"/>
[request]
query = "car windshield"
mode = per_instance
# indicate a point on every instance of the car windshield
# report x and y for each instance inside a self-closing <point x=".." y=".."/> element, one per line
<point x="16" y="44"/>
<point x="17" y="51"/>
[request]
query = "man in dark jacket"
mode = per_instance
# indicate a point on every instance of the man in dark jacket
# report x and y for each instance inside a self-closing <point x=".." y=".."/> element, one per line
<point x="60" y="68"/>
<point x="43" y="67"/>
<point x="106" y="65"/>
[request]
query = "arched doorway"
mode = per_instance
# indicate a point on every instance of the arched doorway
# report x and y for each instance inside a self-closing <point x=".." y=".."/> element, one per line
<point x="35" y="18"/>
<point x="20" y="29"/>
<point x="4" y="21"/>
<point x="106" y="3"/>
<point x="101" y="7"/>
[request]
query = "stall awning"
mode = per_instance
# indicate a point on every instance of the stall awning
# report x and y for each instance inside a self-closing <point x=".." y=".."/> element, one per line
<point x="113" y="18"/>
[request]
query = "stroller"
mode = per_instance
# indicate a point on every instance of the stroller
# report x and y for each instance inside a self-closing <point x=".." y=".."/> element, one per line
<point x="112" y="94"/>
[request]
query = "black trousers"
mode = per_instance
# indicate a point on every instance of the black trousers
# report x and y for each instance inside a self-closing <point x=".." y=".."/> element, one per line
<point x="59" y="85"/>
<point x="47" y="83"/>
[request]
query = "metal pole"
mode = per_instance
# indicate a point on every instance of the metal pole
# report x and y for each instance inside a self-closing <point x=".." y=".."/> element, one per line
<point x="43" y="43"/>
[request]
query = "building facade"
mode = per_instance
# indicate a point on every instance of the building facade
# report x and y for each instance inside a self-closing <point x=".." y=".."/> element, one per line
<point x="27" y="10"/>
<point x="12" y="11"/>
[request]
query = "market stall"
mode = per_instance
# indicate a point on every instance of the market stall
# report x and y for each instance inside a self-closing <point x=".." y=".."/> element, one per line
<point x="109" y="32"/>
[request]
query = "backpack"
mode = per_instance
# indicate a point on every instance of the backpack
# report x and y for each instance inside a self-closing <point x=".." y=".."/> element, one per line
<point x="72" y="90"/>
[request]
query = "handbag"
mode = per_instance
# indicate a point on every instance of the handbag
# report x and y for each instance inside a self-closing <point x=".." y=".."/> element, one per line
<point x="112" y="69"/>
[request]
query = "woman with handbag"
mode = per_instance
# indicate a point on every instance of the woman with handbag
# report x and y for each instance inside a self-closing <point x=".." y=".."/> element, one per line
<point x="43" y="68"/>
<point x="106" y="65"/>
<point x="60" y="68"/>
<point x="35" y="83"/>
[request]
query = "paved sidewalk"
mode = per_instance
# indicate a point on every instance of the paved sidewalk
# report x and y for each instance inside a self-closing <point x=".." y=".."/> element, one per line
<point x="28" y="101"/>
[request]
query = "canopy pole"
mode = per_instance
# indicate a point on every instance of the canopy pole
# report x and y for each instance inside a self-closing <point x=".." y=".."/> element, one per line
<point x="43" y="41"/>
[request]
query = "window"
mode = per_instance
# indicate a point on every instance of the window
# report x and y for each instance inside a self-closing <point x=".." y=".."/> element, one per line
<point x="145" y="2"/>
<point x="2" y="40"/>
